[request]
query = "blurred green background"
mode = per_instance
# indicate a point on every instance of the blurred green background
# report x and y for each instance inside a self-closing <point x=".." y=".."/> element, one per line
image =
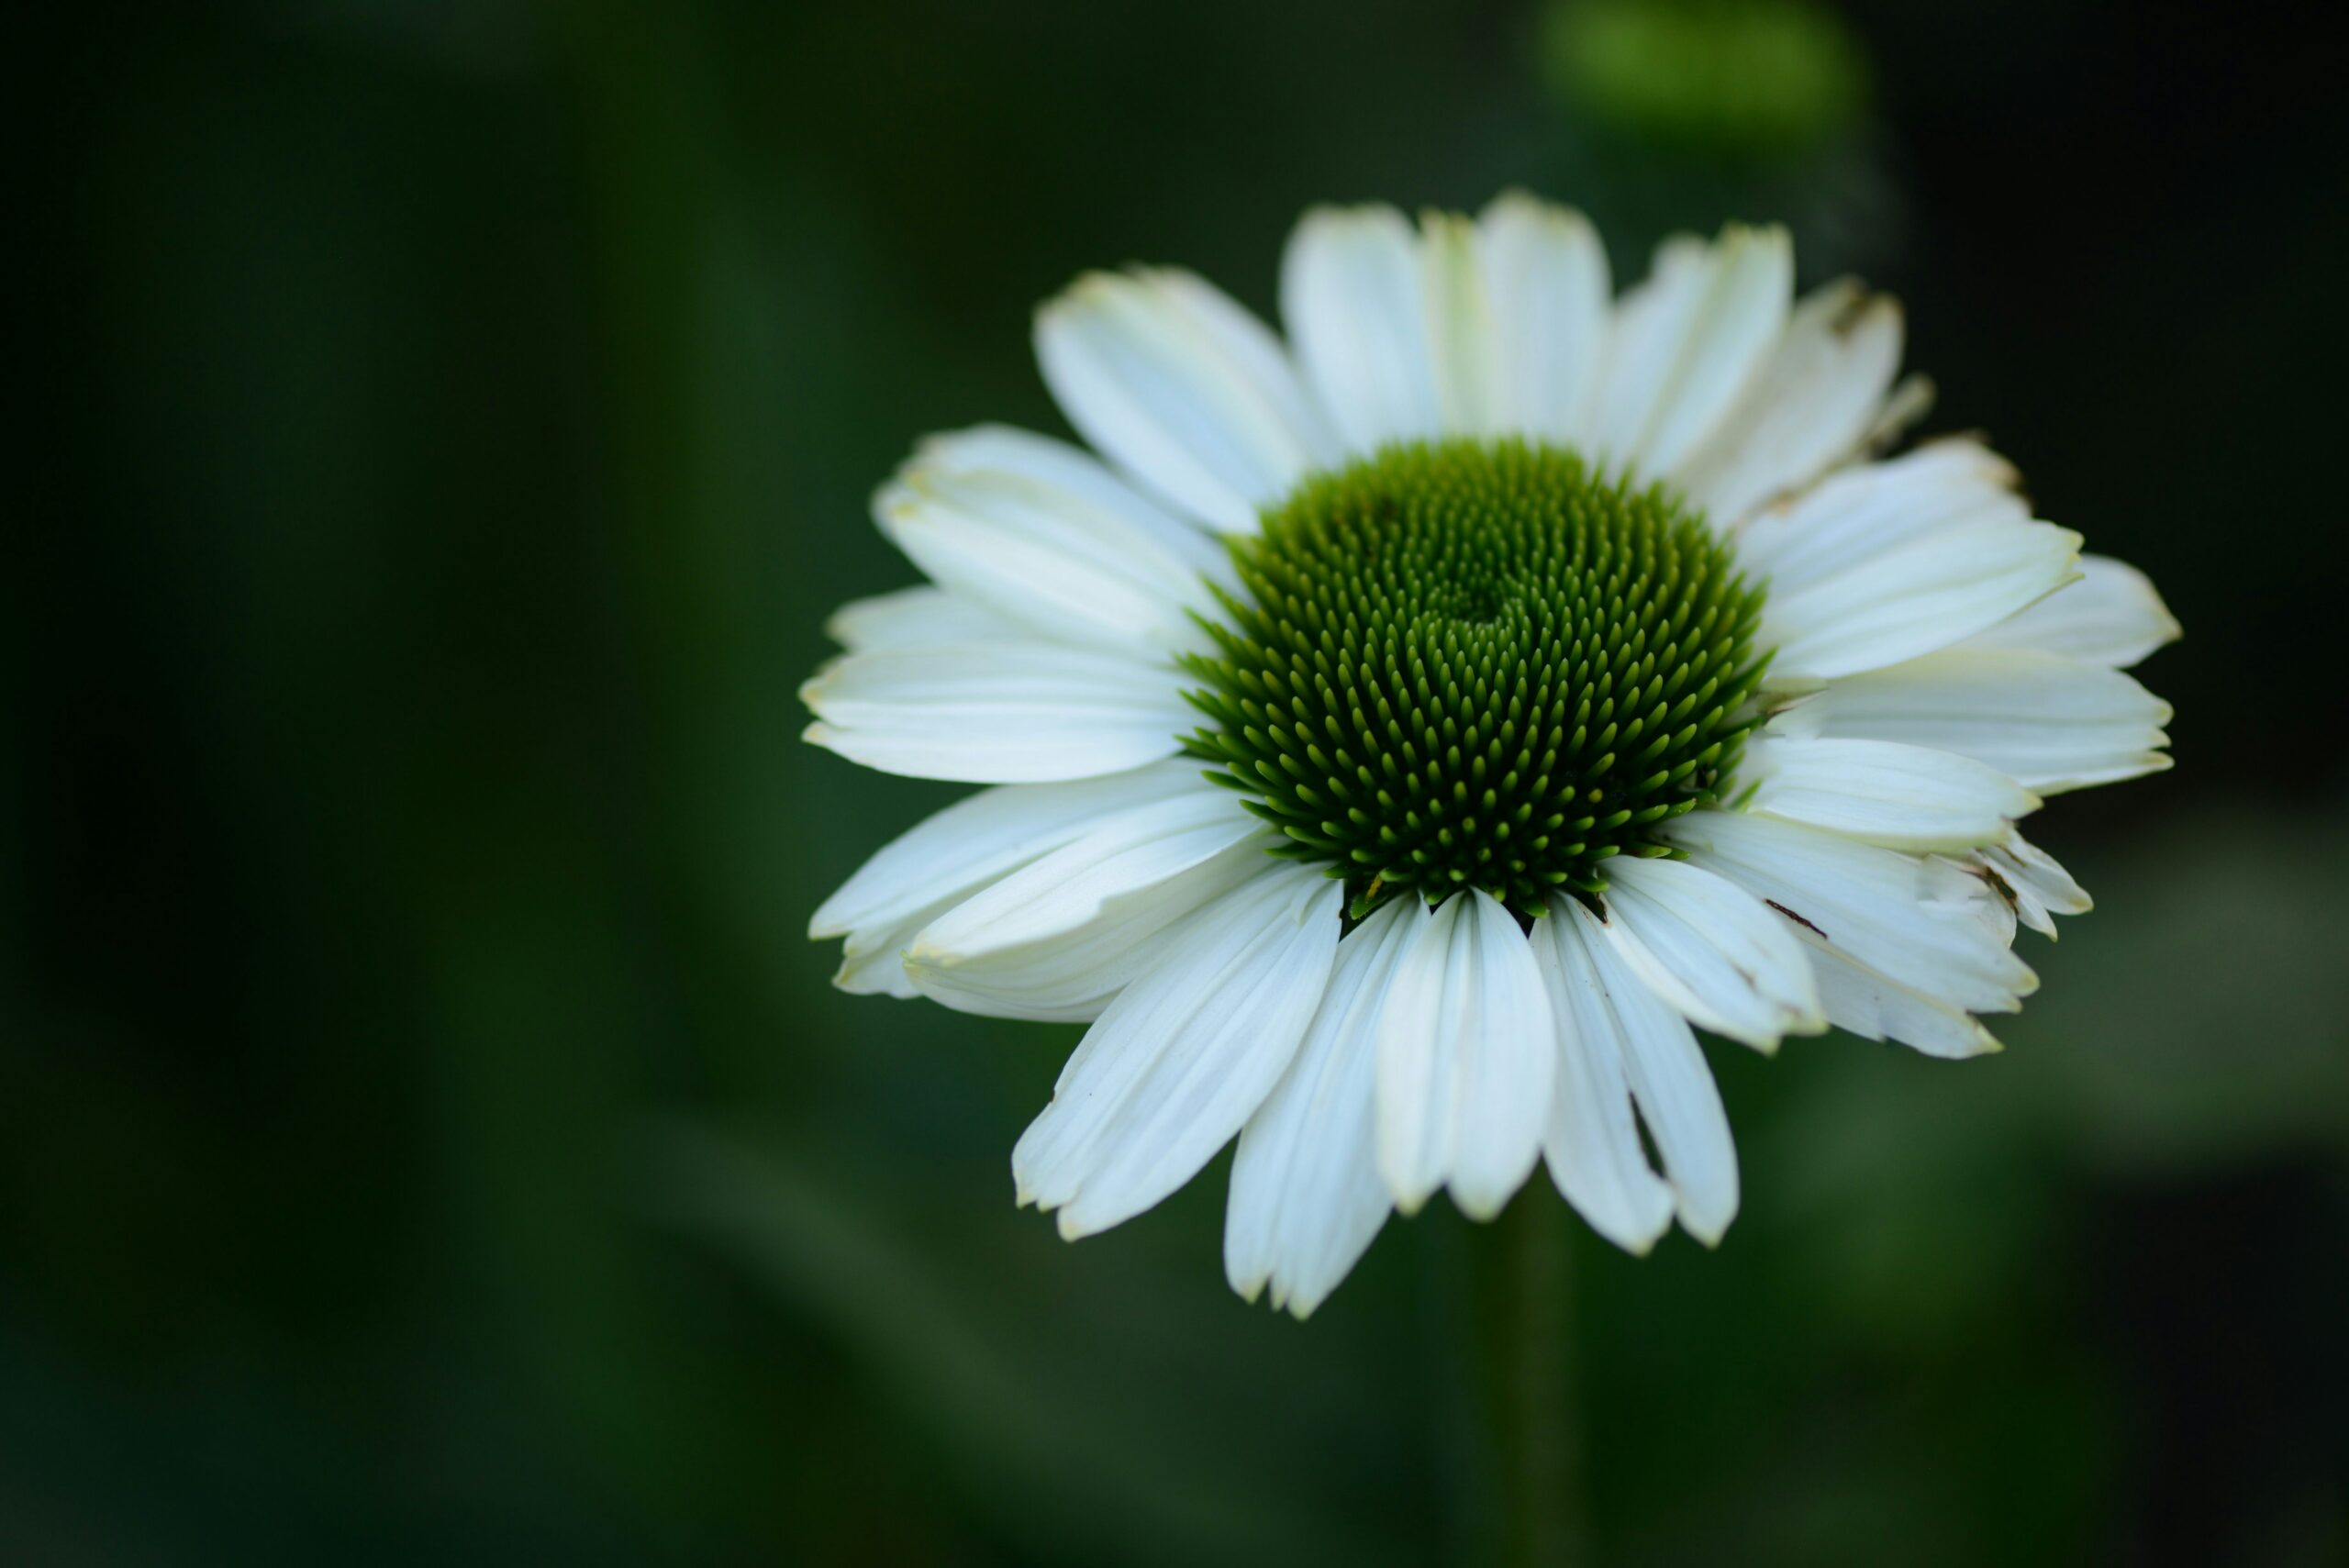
<point x="425" y="1133"/>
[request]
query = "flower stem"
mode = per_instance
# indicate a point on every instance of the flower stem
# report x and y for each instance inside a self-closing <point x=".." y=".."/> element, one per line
<point x="1529" y="1387"/>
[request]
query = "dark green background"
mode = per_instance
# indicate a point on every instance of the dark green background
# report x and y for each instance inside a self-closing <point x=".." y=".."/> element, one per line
<point x="425" y="1133"/>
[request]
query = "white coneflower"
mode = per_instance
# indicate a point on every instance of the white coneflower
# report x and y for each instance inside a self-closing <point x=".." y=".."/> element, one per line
<point x="1403" y="735"/>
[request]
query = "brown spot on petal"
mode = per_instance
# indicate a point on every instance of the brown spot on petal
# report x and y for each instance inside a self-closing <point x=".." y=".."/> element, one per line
<point x="1798" y="920"/>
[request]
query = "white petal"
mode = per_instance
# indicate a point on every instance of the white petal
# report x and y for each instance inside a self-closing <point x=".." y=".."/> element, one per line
<point x="1905" y="798"/>
<point x="1466" y="1061"/>
<point x="2040" y="887"/>
<point x="2110" y="617"/>
<point x="1910" y="399"/>
<point x="1898" y="605"/>
<point x="1998" y="910"/>
<point x="1352" y="299"/>
<point x="996" y="712"/>
<point x="2048" y="724"/>
<point x="1713" y="950"/>
<point x="1872" y="1005"/>
<point x="1057" y="465"/>
<point x="1056" y="939"/>
<point x="1049" y="557"/>
<point x="1461" y="325"/>
<point x="1923" y="923"/>
<point x="947" y="858"/>
<point x="1624" y="1027"/>
<point x="909" y="617"/>
<point x="1545" y="275"/>
<point x="1185" y="1053"/>
<point x="1306" y="1194"/>
<point x="1813" y="404"/>
<point x="1249" y="343"/>
<point x="1876" y="510"/>
<point x="1685" y="345"/>
<point x="1183" y="389"/>
<point x="1592" y="1143"/>
<point x="2026" y="864"/>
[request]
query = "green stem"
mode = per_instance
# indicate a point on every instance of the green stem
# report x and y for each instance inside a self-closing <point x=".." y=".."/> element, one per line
<point x="1530" y="1386"/>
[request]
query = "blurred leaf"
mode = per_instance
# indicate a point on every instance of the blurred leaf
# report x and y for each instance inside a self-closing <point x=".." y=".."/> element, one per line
<point x="1086" y="1411"/>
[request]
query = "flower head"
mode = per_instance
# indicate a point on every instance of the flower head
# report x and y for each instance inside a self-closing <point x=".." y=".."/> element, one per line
<point x="1403" y="737"/>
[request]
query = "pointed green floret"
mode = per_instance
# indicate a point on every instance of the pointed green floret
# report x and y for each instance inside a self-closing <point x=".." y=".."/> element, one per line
<point x="1477" y="664"/>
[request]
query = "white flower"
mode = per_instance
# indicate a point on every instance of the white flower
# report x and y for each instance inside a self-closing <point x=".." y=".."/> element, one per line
<point x="1587" y="676"/>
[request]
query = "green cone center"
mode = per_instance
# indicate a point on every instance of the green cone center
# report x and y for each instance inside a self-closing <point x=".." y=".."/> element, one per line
<point x="1477" y="664"/>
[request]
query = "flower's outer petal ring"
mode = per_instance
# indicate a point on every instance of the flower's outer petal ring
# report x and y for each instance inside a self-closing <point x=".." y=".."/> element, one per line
<point x="996" y="712"/>
<point x="1545" y="275"/>
<point x="1813" y="404"/>
<point x="2112" y="616"/>
<point x="1306" y="1194"/>
<point x="1881" y="792"/>
<point x="1055" y="939"/>
<point x="909" y="617"/>
<point x="956" y="852"/>
<point x="1661" y="1063"/>
<point x="1683" y="346"/>
<point x="1048" y="559"/>
<point x="1902" y="604"/>
<point x="1467" y="1058"/>
<point x="2050" y="724"/>
<point x="1711" y="950"/>
<point x="1592" y="1144"/>
<point x="1352" y="296"/>
<point x="1925" y="923"/>
<point x="1185" y="1055"/>
<point x="1183" y="389"/>
<point x="1876" y="508"/>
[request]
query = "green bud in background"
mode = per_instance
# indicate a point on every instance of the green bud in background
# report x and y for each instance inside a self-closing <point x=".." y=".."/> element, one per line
<point x="1763" y="79"/>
